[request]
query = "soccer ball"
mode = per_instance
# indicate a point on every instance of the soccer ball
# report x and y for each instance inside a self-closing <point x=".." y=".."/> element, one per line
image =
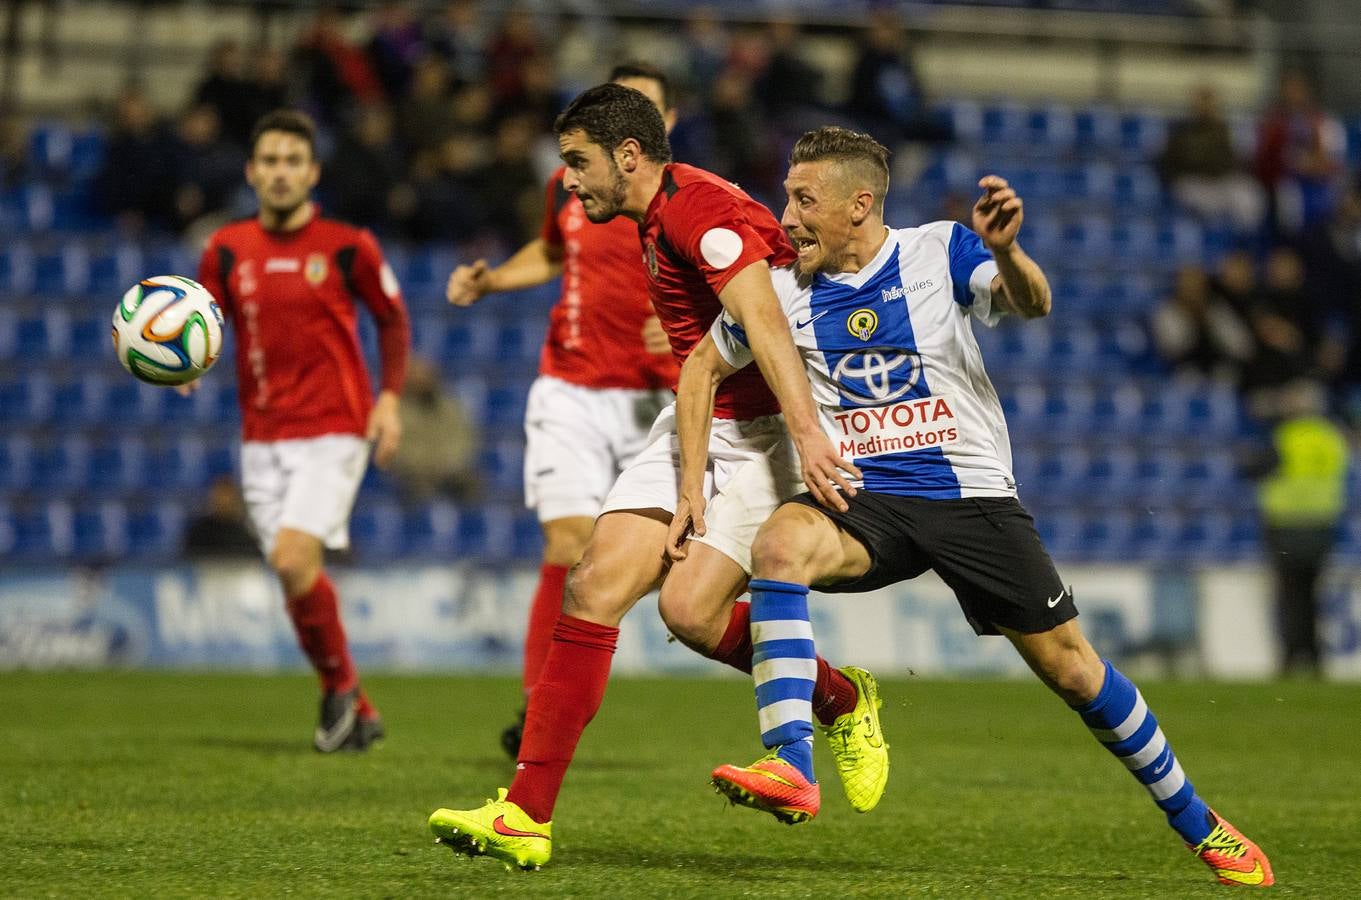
<point x="167" y="330"/>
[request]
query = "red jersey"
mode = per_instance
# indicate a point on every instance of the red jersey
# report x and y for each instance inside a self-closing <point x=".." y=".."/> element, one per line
<point x="698" y="233"/>
<point x="291" y="299"/>
<point x="595" y="332"/>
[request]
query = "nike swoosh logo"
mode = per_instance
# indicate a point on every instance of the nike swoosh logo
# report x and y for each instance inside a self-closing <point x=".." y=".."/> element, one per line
<point x="500" y="827"/>
<point x="1054" y="601"/>
<point x="1256" y="876"/>
<point x="1163" y="767"/>
<point x="871" y="733"/>
<point x="798" y="324"/>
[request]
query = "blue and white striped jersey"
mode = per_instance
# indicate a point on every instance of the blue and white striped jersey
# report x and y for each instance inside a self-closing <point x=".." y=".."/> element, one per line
<point x="894" y="365"/>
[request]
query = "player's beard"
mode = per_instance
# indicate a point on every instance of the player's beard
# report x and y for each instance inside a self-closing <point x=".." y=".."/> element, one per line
<point x="606" y="206"/>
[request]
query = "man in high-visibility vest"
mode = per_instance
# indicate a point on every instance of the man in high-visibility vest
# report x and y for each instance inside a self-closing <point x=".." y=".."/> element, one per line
<point x="1302" y="500"/>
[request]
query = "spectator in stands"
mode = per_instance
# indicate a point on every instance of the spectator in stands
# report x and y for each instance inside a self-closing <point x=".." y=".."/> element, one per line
<point x="509" y="183"/>
<point x="438" y="453"/>
<point x="1287" y="333"/>
<point x="228" y="93"/>
<point x="1236" y="281"/>
<point x="398" y="42"/>
<point x="447" y="191"/>
<point x="516" y="47"/>
<point x="1300" y="149"/>
<point x="886" y="96"/>
<point x="268" y="84"/>
<point x="132" y="185"/>
<point x="1302" y="500"/>
<point x="203" y="170"/>
<point x="221" y="530"/>
<point x="458" y="36"/>
<point x="789" y="83"/>
<point x="1201" y="170"/>
<point x="13" y="150"/>
<point x="1197" y="331"/>
<point x="335" y="73"/>
<point x="706" y="48"/>
<point x="425" y="117"/>
<point x="1332" y="263"/>
<point x="365" y="180"/>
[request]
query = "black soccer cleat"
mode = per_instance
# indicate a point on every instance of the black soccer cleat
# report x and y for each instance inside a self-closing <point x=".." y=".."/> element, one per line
<point x="366" y="733"/>
<point x="339" y="717"/>
<point x="511" y="737"/>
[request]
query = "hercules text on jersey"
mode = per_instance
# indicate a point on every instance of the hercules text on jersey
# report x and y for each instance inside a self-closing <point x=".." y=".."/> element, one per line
<point x="290" y="297"/>
<point x="894" y="365"/>
<point x="698" y="233"/>
<point x="595" y="331"/>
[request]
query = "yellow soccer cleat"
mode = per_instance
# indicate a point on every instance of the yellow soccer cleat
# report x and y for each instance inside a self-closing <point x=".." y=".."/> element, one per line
<point x="1233" y="858"/>
<point x="858" y="744"/>
<point x="499" y="829"/>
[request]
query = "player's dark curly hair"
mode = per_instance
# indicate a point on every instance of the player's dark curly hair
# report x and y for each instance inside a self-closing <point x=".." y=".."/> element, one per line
<point x="289" y="121"/>
<point x="862" y="158"/>
<point x="635" y="69"/>
<point x="610" y="114"/>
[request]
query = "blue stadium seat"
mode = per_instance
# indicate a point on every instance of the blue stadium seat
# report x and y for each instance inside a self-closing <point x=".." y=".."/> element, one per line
<point x="376" y="529"/>
<point x="501" y="464"/>
<point x="40" y="534"/>
<point x="466" y="341"/>
<point x="44" y="335"/>
<point x="16" y="455"/>
<point x="114" y="271"/>
<point x="62" y="273"/>
<point x="520" y="340"/>
<point x="965" y="118"/>
<point x="1143" y="134"/>
<point x="90" y="338"/>
<point x="180" y="465"/>
<point x="528" y="537"/>
<point x="60" y="465"/>
<point x="1137" y="187"/>
<point x="432" y="531"/>
<point x="16" y="269"/>
<point x="26" y="400"/>
<point x="100" y="532"/>
<point x="121" y="464"/>
<point x="79" y="401"/>
<point x="505" y="407"/>
<point x="1090" y="183"/>
<point x="1154" y="535"/>
<point x="156" y="533"/>
<point x="1096" y="129"/>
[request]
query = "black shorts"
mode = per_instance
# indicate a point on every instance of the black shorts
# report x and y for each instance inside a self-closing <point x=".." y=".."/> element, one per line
<point x="985" y="548"/>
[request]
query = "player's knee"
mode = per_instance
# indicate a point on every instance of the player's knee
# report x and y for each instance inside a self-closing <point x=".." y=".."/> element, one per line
<point x="297" y="569"/>
<point x="564" y="546"/>
<point x="588" y="593"/>
<point x="1074" y="677"/>
<point x="779" y="554"/>
<point x="695" y="624"/>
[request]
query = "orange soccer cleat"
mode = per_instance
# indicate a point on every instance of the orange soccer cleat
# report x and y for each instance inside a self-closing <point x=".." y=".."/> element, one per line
<point x="771" y="785"/>
<point x="1233" y="858"/>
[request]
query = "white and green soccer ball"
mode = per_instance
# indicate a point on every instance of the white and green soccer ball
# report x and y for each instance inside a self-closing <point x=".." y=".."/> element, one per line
<point x="167" y="330"/>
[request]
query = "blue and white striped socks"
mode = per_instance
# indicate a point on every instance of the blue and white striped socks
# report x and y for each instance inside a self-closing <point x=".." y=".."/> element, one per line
<point x="1122" y="722"/>
<point x="784" y="667"/>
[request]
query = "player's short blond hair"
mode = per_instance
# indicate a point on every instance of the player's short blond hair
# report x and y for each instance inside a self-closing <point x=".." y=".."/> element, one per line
<point x="862" y="159"/>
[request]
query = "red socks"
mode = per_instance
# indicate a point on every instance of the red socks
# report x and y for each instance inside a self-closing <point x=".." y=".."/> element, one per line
<point x="316" y="619"/>
<point x="543" y="616"/>
<point x="566" y="697"/>
<point x="833" y="695"/>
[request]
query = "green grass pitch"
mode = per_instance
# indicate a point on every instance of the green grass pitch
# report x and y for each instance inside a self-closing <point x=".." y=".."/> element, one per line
<point x="193" y="785"/>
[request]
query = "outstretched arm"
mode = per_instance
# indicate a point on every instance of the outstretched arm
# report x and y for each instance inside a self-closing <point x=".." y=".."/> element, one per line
<point x="703" y="371"/>
<point x="533" y="264"/>
<point x="1019" y="286"/>
<point x="750" y="298"/>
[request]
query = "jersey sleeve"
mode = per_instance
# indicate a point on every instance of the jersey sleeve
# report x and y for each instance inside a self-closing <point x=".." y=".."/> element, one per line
<point x="707" y="227"/>
<point x="972" y="269"/>
<point x="551" y="230"/>
<point x="731" y="341"/>
<point x="212" y="272"/>
<point x="375" y="284"/>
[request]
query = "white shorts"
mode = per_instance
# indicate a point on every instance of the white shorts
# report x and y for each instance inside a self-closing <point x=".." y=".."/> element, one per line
<point x="752" y="469"/>
<point x="578" y="440"/>
<point x="308" y="484"/>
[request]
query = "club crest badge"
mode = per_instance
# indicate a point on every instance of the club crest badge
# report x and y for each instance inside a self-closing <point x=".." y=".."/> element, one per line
<point x="863" y="323"/>
<point x="315" y="270"/>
